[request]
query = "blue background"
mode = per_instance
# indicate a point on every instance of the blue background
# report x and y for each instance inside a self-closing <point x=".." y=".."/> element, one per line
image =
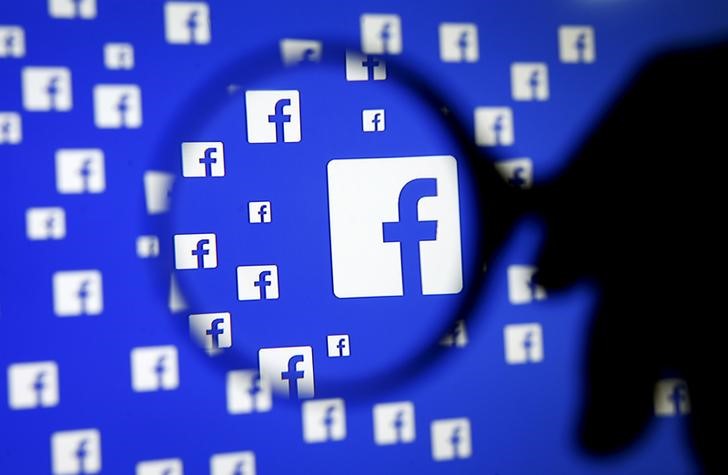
<point x="522" y="417"/>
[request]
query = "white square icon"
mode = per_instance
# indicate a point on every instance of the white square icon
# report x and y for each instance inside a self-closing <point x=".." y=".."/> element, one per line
<point x="395" y="226"/>
<point x="451" y="439"/>
<point x="47" y="89"/>
<point x="577" y="44"/>
<point x="381" y="34"/>
<point x="288" y="370"/>
<point x="212" y="331"/>
<point x="203" y="159"/>
<point x="517" y="172"/>
<point x="195" y="251"/>
<point x="360" y="67"/>
<point x="157" y="191"/>
<point x="523" y="343"/>
<point x="11" y="128"/>
<point x="459" y="42"/>
<point x="394" y="423"/>
<point x="456" y="337"/>
<point x="247" y="392"/>
<point x="671" y="397"/>
<point x="259" y="212"/>
<point x="233" y="463"/>
<point x="324" y="420"/>
<point x="273" y="116"/>
<point x="523" y="285"/>
<point x="147" y="246"/>
<point x="119" y="56"/>
<point x="493" y="126"/>
<point x="372" y="120"/>
<point x="45" y="223"/>
<point x="294" y="51"/>
<point x="187" y="22"/>
<point x="80" y="170"/>
<point x="154" y="368"/>
<point x="338" y="346"/>
<point x="33" y="385"/>
<point x="77" y="293"/>
<point x="12" y="41"/>
<point x="159" y="467"/>
<point x="257" y="282"/>
<point x="84" y="9"/>
<point x="529" y="81"/>
<point x="117" y="106"/>
<point x="76" y="451"/>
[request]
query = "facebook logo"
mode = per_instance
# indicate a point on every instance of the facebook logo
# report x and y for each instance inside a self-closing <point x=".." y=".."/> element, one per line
<point x="338" y="346"/>
<point x="117" y="106"/>
<point x="157" y="191"/>
<point x="288" y="370"/>
<point x="233" y="463"/>
<point x="457" y="337"/>
<point x="361" y="67"/>
<point x="458" y="42"/>
<point x="76" y="452"/>
<point x="259" y="212"/>
<point x="395" y="226"/>
<point x="33" y="385"/>
<point x="12" y="41"/>
<point x="294" y="51"/>
<point x="11" y="128"/>
<point x="147" y="246"/>
<point x="523" y="343"/>
<point x="671" y="398"/>
<point x="47" y="89"/>
<point x="195" y="251"/>
<point x="45" y="223"/>
<point x="187" y="22"/>
<point x="159" y="467"/>
<point x="523" y="285"/>
<point x="381" y="34"/>
<point x="176" y="301"/>
<point x="529" y="82"/>
<point x="517" y="172"/>
<point x="372" y="120"/>
<point x="577" y="44"/>
<point x="77" y="293"/>
<point x="451" y="439"/>
<point x="203" y="159"/>
<point x="273" y="116"/>
<point x="493" y="126"/>
<point x="80" y="170"/>
<point x="119" y="56"/>
<point x="394" y="423"/>
<point x="247" y="392"/>
<point x="257" y="282"/>
<point x="212" y="331"/>
<point x="154" y="368"/>
<point x="84" y="9"/>
<point x="324" y="420"/>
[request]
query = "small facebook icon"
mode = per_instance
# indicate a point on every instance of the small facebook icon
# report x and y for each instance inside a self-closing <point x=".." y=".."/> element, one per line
<point x="372" y="120"/>
<point x="233" y="463"/>
<point x="288" y="370"/>
<point x="76" y="452"/>
<point x="529" y="81"/>
<point x="45" y="223"/>
<point x="295" y="51"/>
<point x="195" y="251"/>
<point x="159" y="467"/>
<point x="671" y="397"/>
<point x="451" y="439"/>
<point x="273" y="116"/>
<point x="395" y="226"/>
<point x="187" y="22"/>
<point x="523" y="343"/>
<point x="117" y="106"/>
<point x="154" y="368"/>
<point x="247" y="392"/>
<point x="324" y="420"/>
<point x="338" y="346"/>
<point x="12" y="41"/>
<point x="84" y="9"/>
<point x="77" y="293"/>
<point x="11" y="128"/>
<point x="80" y="170"/>
<point x="33" y="385"/>
<point x="458" y="42"/>
<point x="361" y="67"/>
<point x="157" y="191"/>
<point x="523" y="285"/>
<point x="381" y="34"/>
<point x="203" y="159"/>
<point x="493" y="126"/>
<point x="119" y="56"/>
<point x="212" y="331"/>
<point x="257" y="282"/>
<point x="394" y="423"/>
<point x="259" y="212"/>
<point x="517" y="172"/>
<point x="47" y="89"/>
<point x="576" y="44"/>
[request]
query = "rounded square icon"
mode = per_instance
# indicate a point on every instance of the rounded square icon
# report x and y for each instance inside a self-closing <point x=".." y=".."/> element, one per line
<point x="523" y="343"/>
<point x="372" y="120"/>
<point x="12" y="38"/>
<point x="451" y="439"/>
<point x="76" y="451"/>
<point x="45" y="223"/>
<point x="324" y="420"/>
<point x="294" y="51"/>
<point x="259" y="212"/>
<point x="203" y="159"/>
<point x="195" y="251"/>
<point x="154" y="368"/>
<point x="159" y="467"/>
<point x="517" y="172"/>
<point x="84" y="9"/>
<point x="11" y="128"/>
<point x="381" y="34"/>
<point x="273" y="116"/>
<point x="394" y="423"/>
<point x="288" y="370"/>
<point x="493" y="126"/>
<point x="32" y="385"/>
<point x="257" y="282"/>
<point x="577" y="44"/>
<point x="212" y="331"/>
<point x="77" y="293"/>
<point x="117" y="106"/>
<point x="231" y="463"/>
<point x="187" y="23"/>
<point x="80" y="170"/>
<point x="47" y="88"/>
<point x="458" y="42"/>
<point x="119" y="56"/>
<point x="529" y="81"/>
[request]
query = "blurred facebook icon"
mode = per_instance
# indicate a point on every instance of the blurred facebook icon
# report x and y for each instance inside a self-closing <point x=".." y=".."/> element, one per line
<point x="12" y="41"/>
<point x="458" y="42"/>
<point x="247" y="392"/>
<point x="324" y="420"/>
<point x="154" y="368"/>
<point x="119" y="56"/>
<point x="523" y="285"/>
<point x="394" y="226"/>
<point x="288" y="370"/>
<point x="76" y="452"/>
<point x="450" y="439"/>
<point x="233" y="463"/>
<point x="45" y="223"/>
<point x="394" y="423"/>
<point x="456" y="337"/>
<point x="671" y="397"/>
<point x="117" y="106"/>
<point x="523" y="343"/>
<point x="157" y="191"/>
<point x="257" y="282"/>
<point x="203" y="159"/>
<point x="195" y="251"/>
<point x="381" y="33"/>
<point x="11" y="128"/>
<point x="212" y="331"/>
<point x="577" y="44"/>
<point x="77" y="293"/>
<point x="84" y="9"/>
<point x="493" y="126"/>
<point x="33" y="385"/>
<point x="159" y="467"/>
<point x="294" y="51"/>
<point x="529" y="81"/>
<point x="47" y="88"/>
<point x="80" y="170"/>
<point x="360" y="67"/>
<point x="517" y="172"/>
<point x="187" y="22"/>
<point x="273" y="116"/>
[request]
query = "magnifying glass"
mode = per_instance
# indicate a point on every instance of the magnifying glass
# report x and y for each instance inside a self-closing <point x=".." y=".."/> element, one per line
<point x="329" y="221"/>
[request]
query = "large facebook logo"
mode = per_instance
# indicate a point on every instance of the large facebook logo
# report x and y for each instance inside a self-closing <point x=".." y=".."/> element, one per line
<point x="395" y="226"/>
<point x="288" y="370"/>
<point x="273" y="116"/>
